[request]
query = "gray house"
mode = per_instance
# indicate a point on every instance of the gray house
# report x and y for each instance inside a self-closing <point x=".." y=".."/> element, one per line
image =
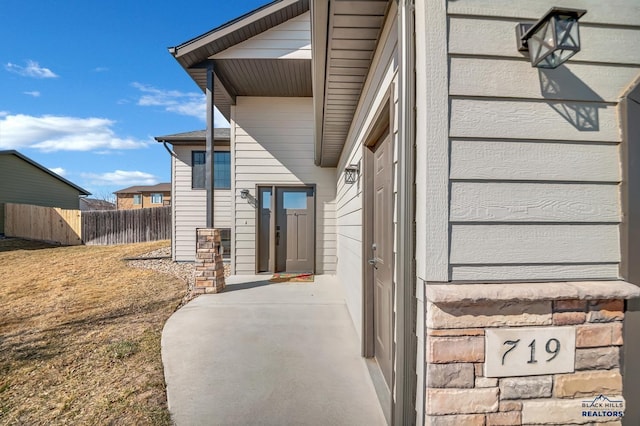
<point x="467" y="196"/>
<point x="23" y="181"/>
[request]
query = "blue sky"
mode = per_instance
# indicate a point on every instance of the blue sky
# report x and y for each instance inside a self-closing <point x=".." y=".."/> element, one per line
<point x="86" y="85"/>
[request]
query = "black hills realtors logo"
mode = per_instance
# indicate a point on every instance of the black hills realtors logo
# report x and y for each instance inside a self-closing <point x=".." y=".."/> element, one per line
<point x="602" y="406"/>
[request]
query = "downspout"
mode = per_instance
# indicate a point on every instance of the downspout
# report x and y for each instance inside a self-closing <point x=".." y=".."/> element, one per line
<point x="169" y="150"/>
<point x="174" y="156"/>
<point x="405" y="405"/>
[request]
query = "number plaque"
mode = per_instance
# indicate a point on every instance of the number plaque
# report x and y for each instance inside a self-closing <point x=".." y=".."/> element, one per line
<point x="529" y="351"/>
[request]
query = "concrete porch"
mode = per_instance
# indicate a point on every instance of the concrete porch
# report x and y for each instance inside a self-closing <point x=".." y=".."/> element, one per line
<point x="269" y="354"/>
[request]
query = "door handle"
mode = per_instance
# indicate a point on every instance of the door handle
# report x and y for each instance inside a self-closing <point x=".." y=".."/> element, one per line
<point x="373" y="262"/>
<point x="277" y="238"/>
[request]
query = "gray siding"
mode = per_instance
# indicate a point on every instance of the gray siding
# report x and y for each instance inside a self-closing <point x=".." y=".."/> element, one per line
<point x="535" y="154"/>
<point x="24" y="183"/>
<point x="189" y="205"/>
<point x="272" y="144"/>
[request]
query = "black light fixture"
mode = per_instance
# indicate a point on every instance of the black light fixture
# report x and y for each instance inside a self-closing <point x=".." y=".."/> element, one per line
<point x="351" y="173"/>
<point x="553" y="39"/>
<point x="244" y="194"/>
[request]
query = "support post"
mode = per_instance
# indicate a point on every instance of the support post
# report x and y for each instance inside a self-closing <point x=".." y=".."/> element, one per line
<point x="209" y="166"/>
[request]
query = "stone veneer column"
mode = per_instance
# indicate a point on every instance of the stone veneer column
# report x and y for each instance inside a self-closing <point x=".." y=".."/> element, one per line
<point x="457" y="391"/>
<point x="209" y="273"/>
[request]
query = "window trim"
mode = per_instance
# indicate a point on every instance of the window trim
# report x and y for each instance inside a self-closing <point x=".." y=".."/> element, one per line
<point x="216" y="186"/>
<point x="154" y="194"/>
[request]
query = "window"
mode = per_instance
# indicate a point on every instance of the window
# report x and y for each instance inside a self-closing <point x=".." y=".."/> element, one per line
<point x="156" y="198"/>
<point x="221" y="169"/>
<point x="198" y="160"/>
<point x="137" y="199"/>
<point x="225" y="240"/>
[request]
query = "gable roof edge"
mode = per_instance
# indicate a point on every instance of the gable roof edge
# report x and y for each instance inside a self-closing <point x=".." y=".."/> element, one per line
<point x="46" y="170"/>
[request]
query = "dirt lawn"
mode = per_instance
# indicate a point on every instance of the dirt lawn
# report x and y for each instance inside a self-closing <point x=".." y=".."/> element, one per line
<point x="80" y="335"/>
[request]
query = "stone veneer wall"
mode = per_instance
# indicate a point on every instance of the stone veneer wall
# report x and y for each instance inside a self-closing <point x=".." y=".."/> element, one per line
<point x="209" y="267"/>
<point x="458" y="393"/>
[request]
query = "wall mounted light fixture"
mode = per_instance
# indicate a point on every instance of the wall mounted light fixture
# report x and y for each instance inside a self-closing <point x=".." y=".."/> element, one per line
<point x="351" y="173"/>
<point x="553" y="39"/>
<point x="244" y="194"/>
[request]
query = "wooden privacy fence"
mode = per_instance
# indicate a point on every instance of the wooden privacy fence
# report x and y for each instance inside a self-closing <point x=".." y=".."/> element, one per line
<point x="50" y="224"/>
<point x="73" y="227"/>
<point x="126" y="226"/>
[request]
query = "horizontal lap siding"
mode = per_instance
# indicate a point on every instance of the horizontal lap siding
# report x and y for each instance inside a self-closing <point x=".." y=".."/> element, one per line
<point x="274" y="146"/>
<point x="535" y="154"/>
<point x="290" y="40"/>
<point x="190" y="206"/>
<point x="349" y="208"/>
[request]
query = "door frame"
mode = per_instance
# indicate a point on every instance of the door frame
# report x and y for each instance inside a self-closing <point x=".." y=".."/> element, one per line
<point x="630" y="246"/>
<point x="381" y="127"/>
<point x="272" y="223"/>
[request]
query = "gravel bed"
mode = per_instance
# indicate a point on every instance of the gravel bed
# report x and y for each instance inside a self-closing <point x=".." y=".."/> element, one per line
<point x="182" y="270"/>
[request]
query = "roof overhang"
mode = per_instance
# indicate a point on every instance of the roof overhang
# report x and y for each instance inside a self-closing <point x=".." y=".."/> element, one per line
<point x="220" y="135"/>
<point x="344" y="36"/>
<point x="246" y="76"/>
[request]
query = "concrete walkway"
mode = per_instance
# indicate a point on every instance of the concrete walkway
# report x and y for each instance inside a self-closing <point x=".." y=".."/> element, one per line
<point x="267" y="354"/>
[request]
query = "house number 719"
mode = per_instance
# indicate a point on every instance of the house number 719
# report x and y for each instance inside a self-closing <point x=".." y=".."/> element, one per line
<point x="552" y="347"/>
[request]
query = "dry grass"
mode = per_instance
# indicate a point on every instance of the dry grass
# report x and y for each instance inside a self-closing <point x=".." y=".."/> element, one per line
<point x="80" y="335"/>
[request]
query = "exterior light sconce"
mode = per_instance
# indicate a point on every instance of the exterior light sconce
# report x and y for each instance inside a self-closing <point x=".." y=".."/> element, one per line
<point x="244" y="194"/>
<point x="553" y="39"/>
<point x="351" y="173"/>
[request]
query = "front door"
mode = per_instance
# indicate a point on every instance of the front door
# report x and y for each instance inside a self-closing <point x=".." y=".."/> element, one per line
<point x="295" y="230"/>
<point x="382" y="249"/>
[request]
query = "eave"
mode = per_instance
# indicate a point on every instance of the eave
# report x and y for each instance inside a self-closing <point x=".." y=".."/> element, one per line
<point x="246" y="76"/>
<point x="344" y="35"/>
<point x="220" y="135"/>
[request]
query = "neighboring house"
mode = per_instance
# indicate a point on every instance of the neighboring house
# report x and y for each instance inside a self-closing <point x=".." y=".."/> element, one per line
<point x="23" y="181"/>
<point x="91" y="204"/>
<point x="188" y="187"/>
<point x="466" y="166"/>
<point x="143" y="196"/>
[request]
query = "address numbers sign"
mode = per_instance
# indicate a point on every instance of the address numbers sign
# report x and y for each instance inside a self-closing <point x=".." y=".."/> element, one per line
<point x="529" y="351"/>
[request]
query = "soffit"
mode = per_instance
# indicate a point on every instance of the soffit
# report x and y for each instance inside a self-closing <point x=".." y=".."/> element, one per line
<point x="247" y="77"/>
<point x="352" y="34"/>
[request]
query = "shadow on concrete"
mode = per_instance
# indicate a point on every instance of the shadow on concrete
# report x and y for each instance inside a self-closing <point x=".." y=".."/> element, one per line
<point x="246" y="286"/>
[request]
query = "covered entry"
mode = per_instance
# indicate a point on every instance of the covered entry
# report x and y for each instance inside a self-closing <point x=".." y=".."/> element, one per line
<point x="286" y="229"/>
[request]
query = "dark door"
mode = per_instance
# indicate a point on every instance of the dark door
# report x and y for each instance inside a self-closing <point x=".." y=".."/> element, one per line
<point x="382" y="250"/>
<point x="295" y="230"/>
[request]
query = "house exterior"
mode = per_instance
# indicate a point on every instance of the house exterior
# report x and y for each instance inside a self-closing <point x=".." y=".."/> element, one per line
<point x="492" y="206"/>
<point x="143" y="196"/>
<point x="189" y="195"/>
<point x="26" y="182"/>
<point x="92" y="204"/>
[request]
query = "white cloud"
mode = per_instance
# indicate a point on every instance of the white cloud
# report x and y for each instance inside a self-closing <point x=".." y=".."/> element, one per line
<point x="33" y="93"/>
<point x="58" y="170"/>
<point x="191" y="104"/>
<point x="100" y="69"/>
<point x="33" y="69"/>
<point x="59" y="133"/>
<point x="121" y="178"/>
